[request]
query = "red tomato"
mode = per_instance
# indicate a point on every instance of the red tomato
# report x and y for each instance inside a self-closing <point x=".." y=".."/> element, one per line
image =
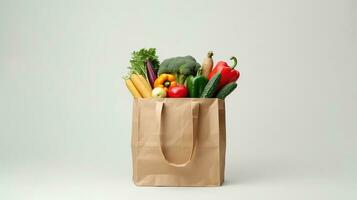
<point x="177" y="91"/>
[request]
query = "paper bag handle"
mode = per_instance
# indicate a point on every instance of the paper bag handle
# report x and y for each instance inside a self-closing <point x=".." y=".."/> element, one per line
<point x="194" y="114"/>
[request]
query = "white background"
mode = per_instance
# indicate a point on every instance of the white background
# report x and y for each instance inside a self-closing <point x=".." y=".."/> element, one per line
<point x="65" y="114"/>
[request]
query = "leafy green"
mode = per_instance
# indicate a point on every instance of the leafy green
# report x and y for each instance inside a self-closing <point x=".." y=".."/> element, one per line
<point x="139" y="58"/>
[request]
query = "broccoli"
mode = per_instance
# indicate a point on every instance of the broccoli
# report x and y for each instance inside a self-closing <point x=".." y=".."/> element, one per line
<point x="181" y="67"/>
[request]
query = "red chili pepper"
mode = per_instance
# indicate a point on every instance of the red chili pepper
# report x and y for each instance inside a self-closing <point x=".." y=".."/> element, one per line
<point x="229" y="74"/>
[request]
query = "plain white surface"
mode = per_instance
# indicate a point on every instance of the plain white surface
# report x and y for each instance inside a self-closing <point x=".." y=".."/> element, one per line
<point x="65" y="112"/>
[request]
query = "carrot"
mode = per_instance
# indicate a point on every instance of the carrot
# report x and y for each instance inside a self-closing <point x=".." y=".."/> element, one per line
<point x="140" y="85"/>
<point x="132" y="89"/>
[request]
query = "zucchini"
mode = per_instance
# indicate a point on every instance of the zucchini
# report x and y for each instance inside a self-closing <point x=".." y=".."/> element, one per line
<point x="226" y="90"/>
<point x="211" y="86"/>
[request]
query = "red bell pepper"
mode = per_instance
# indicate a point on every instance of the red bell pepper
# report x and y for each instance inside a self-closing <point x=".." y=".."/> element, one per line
<point x="229" y="74"/>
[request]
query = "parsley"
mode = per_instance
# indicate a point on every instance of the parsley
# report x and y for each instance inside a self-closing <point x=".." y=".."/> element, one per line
<point x="139" y="58"/>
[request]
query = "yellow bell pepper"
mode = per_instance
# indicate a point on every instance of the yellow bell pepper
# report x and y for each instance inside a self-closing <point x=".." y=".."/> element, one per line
<point x="165" y="81"/>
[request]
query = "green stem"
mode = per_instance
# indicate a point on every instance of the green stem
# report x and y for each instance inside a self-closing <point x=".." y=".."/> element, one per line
<point x="181" y="79"/>
<point x="234" y="62"/>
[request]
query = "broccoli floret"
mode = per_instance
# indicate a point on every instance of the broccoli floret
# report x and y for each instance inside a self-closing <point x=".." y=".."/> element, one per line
<point x="180" y="66"/>
<point x="164" y="67"/>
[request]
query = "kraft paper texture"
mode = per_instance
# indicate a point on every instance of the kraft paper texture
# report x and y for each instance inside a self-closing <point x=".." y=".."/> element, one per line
<point x="178" y="142"/>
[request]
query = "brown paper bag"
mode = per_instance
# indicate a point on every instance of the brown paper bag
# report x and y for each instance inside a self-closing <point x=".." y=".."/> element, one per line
<point x="178" y="142"/>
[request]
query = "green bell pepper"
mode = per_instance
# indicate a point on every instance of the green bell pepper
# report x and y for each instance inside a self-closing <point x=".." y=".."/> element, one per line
<point x="196" y="84"/>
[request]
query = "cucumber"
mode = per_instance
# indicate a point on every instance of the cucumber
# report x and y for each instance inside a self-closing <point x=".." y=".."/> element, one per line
<point x="211" y="86"/>
<point x="226" y="90"/>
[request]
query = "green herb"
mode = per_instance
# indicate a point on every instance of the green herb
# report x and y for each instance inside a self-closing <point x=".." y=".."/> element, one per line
<point x="139" y="58"/>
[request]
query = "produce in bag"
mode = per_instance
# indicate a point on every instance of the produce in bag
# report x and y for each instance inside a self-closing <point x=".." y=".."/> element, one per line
<point x="179" y="76"/>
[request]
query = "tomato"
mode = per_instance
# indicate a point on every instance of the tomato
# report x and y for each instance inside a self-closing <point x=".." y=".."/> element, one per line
<point x="177" y="91"/>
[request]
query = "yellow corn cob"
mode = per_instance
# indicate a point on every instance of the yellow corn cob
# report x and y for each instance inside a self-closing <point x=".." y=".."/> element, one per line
<point x="132" y="89"/>
<point x="140" y="85"/>
<point x="147" y="84"/>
